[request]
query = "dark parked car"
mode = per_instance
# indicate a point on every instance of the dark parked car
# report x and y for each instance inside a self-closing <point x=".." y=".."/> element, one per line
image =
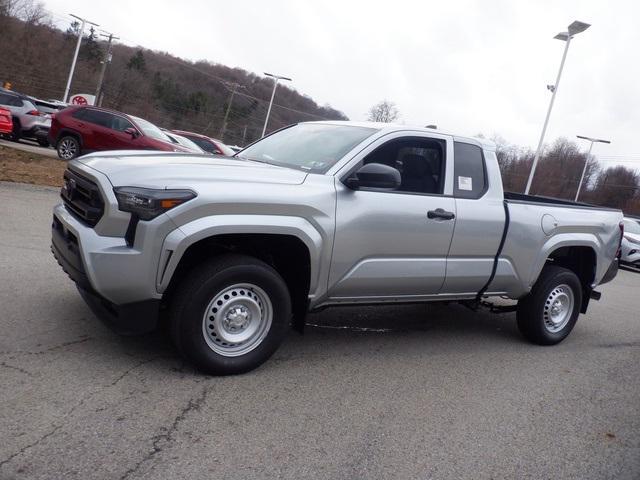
<point x="208" y="144"/>
<point x="78" y="130"/>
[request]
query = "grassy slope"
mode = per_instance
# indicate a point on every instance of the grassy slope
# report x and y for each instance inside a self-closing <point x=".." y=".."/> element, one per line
<point x="25" y="167"/>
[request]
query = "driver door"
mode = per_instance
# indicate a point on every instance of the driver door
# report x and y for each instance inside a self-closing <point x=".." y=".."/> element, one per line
<point x="387" y="243"/>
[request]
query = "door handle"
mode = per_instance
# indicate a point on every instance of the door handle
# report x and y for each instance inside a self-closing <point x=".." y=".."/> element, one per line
<point x="441" y="214"/>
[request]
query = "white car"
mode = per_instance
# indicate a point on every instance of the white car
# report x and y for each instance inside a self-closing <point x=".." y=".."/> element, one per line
<point x="631" y="243"/>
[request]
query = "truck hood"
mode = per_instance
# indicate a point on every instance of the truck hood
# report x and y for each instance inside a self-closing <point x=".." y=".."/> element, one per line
<point x="162" y="170"/>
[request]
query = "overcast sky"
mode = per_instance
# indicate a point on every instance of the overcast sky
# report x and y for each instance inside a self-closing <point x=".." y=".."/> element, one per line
<point x="467" y="66"/>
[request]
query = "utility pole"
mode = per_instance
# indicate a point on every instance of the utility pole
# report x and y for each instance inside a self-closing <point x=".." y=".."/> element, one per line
<point x="273" y="94"/>
<point x="573" y="29"/>
<point x="105" y="61"/>
<point x="83" y="22"/>
<point x="586" y="162"/>
<point x="235" y="87"/>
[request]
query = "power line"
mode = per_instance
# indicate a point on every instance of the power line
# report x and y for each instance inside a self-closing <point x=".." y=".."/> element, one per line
<point x="222" y="80"/>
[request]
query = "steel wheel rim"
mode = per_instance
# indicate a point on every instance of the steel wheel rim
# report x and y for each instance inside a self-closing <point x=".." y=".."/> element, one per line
<point x="68" y="149"/>
<point x="558" y="308"/>
<point x="237" y="319"/>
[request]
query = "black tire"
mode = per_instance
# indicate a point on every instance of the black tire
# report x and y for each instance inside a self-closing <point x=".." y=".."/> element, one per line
<point x="16" y="133"/>
<point x="68" y="147"/>
<point x="534" y="314"/>
<point x="43" y="142"/>
<point x="193" y="297"/>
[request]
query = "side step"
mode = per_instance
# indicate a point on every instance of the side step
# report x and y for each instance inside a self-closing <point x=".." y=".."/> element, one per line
<point x="492" y="307"/>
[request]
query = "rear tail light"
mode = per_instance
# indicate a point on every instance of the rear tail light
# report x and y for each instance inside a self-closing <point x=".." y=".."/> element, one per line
<point x="35" y="113"/>
<point x="619" y="251"/>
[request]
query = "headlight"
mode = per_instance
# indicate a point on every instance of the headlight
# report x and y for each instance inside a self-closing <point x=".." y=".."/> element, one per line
<point x="148" y="203"/>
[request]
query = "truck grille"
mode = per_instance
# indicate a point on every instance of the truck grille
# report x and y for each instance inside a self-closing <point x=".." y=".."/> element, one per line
<point x="82" y="198"/>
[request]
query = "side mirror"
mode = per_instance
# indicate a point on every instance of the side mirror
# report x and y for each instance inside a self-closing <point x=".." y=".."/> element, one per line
<point x="374" y="175"/>
<point x="131" y="131"/>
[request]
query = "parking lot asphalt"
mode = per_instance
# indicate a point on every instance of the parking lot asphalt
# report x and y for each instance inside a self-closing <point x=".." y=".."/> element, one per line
<point x="427" y="391"/>
<point x="31" y="147"/>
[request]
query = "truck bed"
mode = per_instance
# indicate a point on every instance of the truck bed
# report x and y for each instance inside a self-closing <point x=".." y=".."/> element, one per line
<point x="514" y="197"/>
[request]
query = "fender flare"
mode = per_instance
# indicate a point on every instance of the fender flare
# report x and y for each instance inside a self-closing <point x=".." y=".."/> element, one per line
<point x="566" y="240"/>
<point x="69" y="131"/>
<point x="180" y="239"/>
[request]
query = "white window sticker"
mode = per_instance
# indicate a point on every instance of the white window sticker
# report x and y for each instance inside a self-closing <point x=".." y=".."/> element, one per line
<point x="465" y="183"/>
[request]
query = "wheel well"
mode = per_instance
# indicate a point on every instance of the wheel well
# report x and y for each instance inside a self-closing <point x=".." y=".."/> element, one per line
<point x="69" y="133"/>
<point x="581" y="261"/>
<point x="287" y="254"/>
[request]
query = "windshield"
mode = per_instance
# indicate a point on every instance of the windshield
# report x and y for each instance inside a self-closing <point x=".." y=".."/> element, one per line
<point x="313" y="147"/>
<point x="150" y="130"/>
<point x="631" y="226"/>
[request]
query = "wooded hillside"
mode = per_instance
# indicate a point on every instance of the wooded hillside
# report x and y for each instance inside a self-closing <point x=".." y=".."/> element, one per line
<point x="35" y="58"/>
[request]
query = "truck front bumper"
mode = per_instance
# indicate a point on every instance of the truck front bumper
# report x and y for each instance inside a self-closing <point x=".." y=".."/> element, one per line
<point x="125" y="318"/>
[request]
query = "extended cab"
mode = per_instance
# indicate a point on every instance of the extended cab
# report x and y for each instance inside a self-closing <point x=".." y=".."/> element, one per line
<point x="234" y="250"/>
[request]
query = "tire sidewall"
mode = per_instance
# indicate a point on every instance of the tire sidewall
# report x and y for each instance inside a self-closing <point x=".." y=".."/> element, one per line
<point x="68" y="137"/>
<point x="538" y="301"/>
<point x="189" y="333"/>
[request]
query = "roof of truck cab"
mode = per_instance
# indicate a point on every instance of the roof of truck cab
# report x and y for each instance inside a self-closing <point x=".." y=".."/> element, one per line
<point x="394" y="127"/>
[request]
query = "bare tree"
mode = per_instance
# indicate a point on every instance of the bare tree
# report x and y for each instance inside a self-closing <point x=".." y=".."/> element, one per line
<point x="384" y="111"/>
<point x="32" y="12"/>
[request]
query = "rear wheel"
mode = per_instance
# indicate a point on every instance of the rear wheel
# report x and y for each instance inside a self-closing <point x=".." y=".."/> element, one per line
<point x="43" y="142"/>
<point x="68" y="147"/>
<point x="548" y="314"/>
<point x="230" y="315"/>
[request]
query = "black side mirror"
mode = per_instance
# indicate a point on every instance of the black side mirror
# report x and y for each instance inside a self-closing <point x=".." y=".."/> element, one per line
<point x="374" y="175"/>
<point x="131" y="131"/>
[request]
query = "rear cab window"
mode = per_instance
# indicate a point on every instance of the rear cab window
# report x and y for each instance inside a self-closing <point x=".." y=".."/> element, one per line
<point x="470" y="173"/>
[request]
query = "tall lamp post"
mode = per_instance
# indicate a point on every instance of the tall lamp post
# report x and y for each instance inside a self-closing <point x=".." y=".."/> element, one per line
<point x="273" y="94"/>
<point x="573" y="29"/>
<point x="83" y="22"/>
<point x="586" y="162"/>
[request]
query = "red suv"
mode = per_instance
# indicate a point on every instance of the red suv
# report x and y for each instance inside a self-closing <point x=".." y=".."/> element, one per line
<point x="78" y="130"/>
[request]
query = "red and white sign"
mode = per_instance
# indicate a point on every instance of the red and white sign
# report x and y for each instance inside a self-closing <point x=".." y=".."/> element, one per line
<point x="82" y="99"/>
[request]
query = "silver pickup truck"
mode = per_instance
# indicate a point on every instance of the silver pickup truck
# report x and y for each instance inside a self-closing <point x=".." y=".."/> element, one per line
<point x="233" y="251"/>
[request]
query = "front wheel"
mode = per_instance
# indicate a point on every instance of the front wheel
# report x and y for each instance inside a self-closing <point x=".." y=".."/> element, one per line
<point x="68" y="148"/>
<point x="548" y="314"/>
<point x="229" y="315"/>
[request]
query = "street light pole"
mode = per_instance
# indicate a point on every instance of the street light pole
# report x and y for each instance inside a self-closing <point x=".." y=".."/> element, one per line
<point x="106" y="60"/>
<point x="235" y="88"/>
<point x="586" y="162"/>
<point x="75" y="55"/>
<point x="575" y="28"/>
<point x="273" y="94"/>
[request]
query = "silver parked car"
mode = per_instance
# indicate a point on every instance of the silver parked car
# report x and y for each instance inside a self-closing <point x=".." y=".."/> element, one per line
<point x="319" y="214"/>
<point x="30" y="120"/>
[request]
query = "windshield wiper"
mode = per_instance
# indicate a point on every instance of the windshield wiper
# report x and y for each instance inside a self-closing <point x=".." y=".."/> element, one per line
<point x="251" y="159"/>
